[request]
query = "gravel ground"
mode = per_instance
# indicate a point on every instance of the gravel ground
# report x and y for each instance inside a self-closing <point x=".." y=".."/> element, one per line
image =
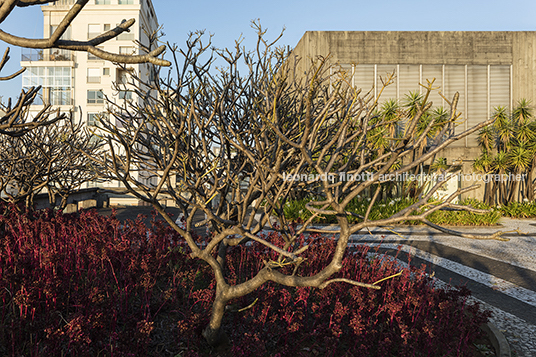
<point x="521" y="336"/>
<point x="519" y="251"/>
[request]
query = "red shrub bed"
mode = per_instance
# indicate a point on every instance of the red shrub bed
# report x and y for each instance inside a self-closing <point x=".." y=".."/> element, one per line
<point x="87" y="285"/>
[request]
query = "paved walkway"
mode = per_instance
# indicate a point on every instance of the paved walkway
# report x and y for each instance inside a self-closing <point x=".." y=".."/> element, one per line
<point x="502" y="275"/>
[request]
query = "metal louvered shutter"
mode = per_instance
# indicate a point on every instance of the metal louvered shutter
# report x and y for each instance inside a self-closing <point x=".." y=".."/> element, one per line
<point x="500" y="87"/>
<point x="364" y="77"/>
<point x="455" y="82"/>
<point x="477" y="99"/>
<point x="409" y="78"/>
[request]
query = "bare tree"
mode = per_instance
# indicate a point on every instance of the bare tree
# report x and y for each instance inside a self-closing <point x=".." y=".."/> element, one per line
<point x="235" y="146"/>
<point x="14" y="118"/>
<point x="47" y="157"/>
<point x="24" y="170"/>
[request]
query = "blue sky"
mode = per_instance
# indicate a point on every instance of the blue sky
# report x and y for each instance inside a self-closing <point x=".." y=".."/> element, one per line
<point x="229" y="19"/>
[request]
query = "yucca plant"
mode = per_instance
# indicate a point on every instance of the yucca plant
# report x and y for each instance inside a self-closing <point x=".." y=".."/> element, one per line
<point x="440" y="164"/>
<point x="514" y="138"/>
<point x="522" y="112"/>
<point x="504" y="129"/>
<point x="520" y="159"/>
<point x="393" y="114"/>
<point x="412" y="101"/>
<point x="500" y="166"/>
<point x="483" y="165"/>
<point x="486" y="138"/>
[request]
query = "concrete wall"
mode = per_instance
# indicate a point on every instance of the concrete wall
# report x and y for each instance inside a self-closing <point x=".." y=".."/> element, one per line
<point x="425" y="47"/>
<point x="515" y="49"/>
<point x="524" y="65"/>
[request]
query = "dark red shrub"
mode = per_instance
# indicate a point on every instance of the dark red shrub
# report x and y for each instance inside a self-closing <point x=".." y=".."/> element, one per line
<point x="87" y="285"/>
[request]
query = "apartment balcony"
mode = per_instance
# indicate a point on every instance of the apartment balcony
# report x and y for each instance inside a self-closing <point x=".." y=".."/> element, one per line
<point x="93" y="79"/>
<point x="31" y="55"/>
<point x="54" y="96"/>
<point x="126" y="36"/>
<point x="62" y="3"/>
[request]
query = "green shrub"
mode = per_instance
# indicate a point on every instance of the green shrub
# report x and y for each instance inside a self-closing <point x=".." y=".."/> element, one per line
<point x="519" y="210"/>
<point x="296" y="210"/>
<point x="466" y="218"/>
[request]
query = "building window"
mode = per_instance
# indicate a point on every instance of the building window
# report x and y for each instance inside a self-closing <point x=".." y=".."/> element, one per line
<point x="93" y="75"/>
<point x="102" y="2"/>
<point x="126" y="2"/>
<point x="107" y="27"/>
<point x="125" y="94"/>
<point x="126" y="50"/>
<point x="55" y="82"/>
<point x="125" y="36"/>
<point x="95" y="97"/>
<point x="106" y="71"/>
<point x="93" y="30"/>
<point x="94" y="118"/>
<point x="122" y="76"/>
<point x="60" y="96"/>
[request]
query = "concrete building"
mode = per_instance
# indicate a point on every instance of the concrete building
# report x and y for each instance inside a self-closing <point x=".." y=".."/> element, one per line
<point x="488" y="69"/>
<point x="79" y="81"/>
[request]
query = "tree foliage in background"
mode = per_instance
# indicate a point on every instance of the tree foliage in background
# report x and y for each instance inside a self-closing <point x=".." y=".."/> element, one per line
<point x="46" y="159"/>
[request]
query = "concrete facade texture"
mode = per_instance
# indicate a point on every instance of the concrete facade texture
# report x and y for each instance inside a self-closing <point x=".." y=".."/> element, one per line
<point x="517" y="49"/>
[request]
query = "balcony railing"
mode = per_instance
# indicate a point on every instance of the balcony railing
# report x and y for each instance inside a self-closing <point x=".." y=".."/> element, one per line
<point x="46" y="55"/>
<point x="93" y="79"/>
<point x="91" y="35"/>
<point x="125" y="37"/>
<point x="62" y="2"/>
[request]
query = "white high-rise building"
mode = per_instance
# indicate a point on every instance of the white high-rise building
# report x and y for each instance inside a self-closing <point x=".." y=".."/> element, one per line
<point x="79" y="81"/>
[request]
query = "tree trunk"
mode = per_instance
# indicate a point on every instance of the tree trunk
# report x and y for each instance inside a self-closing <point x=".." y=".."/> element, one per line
<point x="213" y="333"/>
<point x="488" y="199"/>
<point x="530" y="184"/>
<point x="514" y="189"/>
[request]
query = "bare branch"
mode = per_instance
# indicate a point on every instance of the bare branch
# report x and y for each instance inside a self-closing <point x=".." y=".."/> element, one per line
<point x="494" y="236"/>
<point x="348" y="281"/>
<point x="55" y="41"/>
<point x="238" y="147"/>
<point x="3" y="62"/>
